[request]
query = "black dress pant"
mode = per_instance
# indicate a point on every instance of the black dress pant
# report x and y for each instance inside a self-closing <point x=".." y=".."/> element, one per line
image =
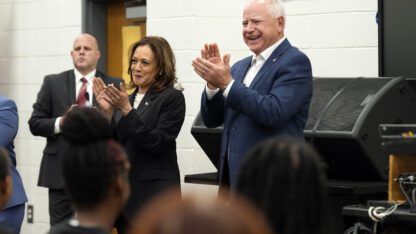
<point x="60" y="206"/>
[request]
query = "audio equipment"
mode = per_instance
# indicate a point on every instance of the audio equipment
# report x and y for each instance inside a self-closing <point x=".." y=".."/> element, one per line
<point x="344" y="119"/>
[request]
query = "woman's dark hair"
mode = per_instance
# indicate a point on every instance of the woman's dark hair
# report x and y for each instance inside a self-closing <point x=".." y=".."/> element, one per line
<point x="165" y="62"/>
<point x="285" y="178"/>
<point x="4" y="164"/>
<point x="93" y="160"/>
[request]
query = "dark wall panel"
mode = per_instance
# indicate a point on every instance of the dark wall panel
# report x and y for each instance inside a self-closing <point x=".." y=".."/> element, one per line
<point x="397" y="38"/>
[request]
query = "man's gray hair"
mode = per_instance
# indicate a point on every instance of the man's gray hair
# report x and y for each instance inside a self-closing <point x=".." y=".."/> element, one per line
<point x="275" y="7"/>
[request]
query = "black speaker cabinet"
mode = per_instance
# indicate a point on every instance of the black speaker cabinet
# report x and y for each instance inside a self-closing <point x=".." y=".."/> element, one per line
<point x="344" y="118"/>
<point x="343" y="122"/>
<point x="208" y="138"/>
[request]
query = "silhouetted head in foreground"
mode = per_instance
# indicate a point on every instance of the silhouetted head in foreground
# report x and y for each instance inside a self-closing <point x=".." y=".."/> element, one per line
<point x="285" y="178"/>
<point x="168" y="214"/>
<point x="95" y="167"/>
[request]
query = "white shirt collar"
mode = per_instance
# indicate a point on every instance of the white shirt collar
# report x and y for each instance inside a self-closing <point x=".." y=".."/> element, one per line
<point x="267" y="52"/>
<point x="89" y="76"/>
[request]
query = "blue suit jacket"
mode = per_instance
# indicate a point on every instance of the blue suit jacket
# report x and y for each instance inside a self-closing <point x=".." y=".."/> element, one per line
<point x="276" y="103"/>
<point x="9" y="123"/>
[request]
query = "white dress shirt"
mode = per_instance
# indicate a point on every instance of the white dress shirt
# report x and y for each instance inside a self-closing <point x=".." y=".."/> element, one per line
<point x="78" y="84"/>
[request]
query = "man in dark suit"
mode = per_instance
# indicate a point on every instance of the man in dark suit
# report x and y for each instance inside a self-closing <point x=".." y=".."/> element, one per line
<point x="261" y="96"/>
<point x="12" y="213"/>
<point x="59" y="92"/>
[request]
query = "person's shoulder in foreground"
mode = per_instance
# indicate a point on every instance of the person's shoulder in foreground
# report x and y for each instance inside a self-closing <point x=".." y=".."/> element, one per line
<point x="72" y="227"/>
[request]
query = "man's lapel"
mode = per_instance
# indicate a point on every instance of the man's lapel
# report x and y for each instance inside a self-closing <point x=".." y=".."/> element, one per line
<point x="70" y="81"/>
<point x="242" y="71"/>
<point x="269" y="63"/>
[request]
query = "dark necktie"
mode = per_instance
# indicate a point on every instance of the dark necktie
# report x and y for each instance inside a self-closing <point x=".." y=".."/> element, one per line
<point x="82" y="94"/>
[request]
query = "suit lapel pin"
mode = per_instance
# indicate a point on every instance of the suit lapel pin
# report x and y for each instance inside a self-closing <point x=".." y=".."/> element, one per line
<point x="274" y="60"/>
<point x="146" y="103"/>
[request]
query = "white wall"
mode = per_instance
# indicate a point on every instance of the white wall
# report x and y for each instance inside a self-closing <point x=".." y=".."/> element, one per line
<point x="339" y="36"/>
<point x="35" y="39"/>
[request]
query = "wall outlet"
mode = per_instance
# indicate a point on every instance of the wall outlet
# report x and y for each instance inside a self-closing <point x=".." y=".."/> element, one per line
<point x="30" y="213"/>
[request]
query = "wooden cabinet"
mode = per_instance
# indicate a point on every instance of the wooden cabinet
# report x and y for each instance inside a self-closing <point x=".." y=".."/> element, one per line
<point x="399" y="164"/>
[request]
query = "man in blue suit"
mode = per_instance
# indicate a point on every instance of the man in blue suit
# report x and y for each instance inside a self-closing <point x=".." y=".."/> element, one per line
<point x="264" y="95"/>
<point x="11" y="216"/>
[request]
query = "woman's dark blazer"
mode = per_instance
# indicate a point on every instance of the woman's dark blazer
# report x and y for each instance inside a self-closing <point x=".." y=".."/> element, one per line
<point x="148" y="134"/>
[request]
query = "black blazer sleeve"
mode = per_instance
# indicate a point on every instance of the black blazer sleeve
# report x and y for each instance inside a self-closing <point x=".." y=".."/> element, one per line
<point x="156" y="123"/>
<point x="42" y="120"/>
